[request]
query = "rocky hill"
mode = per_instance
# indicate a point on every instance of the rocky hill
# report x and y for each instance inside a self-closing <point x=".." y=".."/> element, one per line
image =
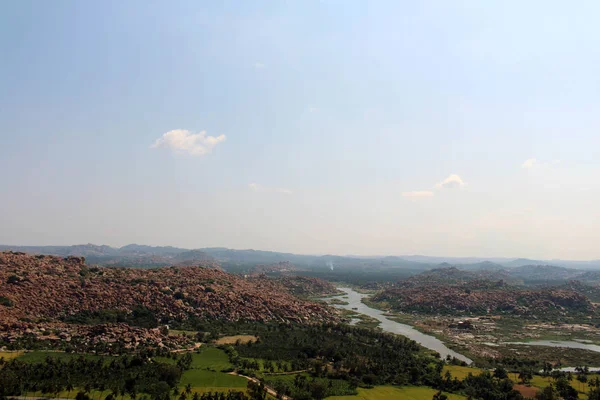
<point x="544" y="273"/>
<point x="58" y="289"/>
<point x="447" y="274"/>
<point x="483" y="297"/>
<point x="591" y="290"/>
<point x="132" y="255"/>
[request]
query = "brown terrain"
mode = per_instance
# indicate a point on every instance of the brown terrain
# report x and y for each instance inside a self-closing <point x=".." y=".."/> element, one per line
<point x="482" y="297"/>
<point x="38" y="290"/>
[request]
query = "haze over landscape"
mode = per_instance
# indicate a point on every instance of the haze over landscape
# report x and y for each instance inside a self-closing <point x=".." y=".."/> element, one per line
<point x="365" y="128"/>
<point x="299" y="200"/>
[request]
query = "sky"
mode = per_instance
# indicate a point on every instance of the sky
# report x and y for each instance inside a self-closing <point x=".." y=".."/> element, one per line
<point x="463" y="128"/>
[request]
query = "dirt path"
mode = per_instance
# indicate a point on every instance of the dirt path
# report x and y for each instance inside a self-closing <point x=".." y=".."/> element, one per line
<point x="269" y="389"/>
<point x="284" y="373"/>
<point x="195" y="347"/>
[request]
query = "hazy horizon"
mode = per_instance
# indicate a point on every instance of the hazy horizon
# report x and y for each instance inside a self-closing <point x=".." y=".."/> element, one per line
<point x="462" y="129"/>
<point x="491" y="258"/>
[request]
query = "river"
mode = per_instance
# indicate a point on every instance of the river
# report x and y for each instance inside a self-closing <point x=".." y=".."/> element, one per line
<point x="561" y="343"/>
<point x="355" y="304"/>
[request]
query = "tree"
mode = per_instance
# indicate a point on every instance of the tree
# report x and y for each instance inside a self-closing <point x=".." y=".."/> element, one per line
<point x="500" y="373"/>
<point x="82" y="396"/>
<point x="594" y="394"/>
<point x="318" y="390"/>
<point x="547" y="368"/>
<point x="525" y="376"/>
<point x="548" y="393"/>
<point x="565" y="390"/>
<point x="256" y="391"/>
<point x="440" y="396"/>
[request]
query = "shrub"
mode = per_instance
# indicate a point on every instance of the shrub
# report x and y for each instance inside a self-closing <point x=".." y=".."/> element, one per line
<point x="5" y="301"/>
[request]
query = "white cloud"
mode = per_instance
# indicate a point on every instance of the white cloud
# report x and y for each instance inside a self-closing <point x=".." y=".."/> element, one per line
<point x="529" y="163"/>
<point x="260" y="65"/>
<point x="312" y="109"/>
<point x="182" y="140"/>
<point x="418" y="194"/>
<point x="259" y="188"/>
<point x="451" y="182"/>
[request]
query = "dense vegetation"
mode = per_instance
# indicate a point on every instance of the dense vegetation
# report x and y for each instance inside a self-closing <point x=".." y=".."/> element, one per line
<point x="366" y="355"/>
<point x="334" y="359"/>
<point x="140" y="316"/>
<point x="122" y="375"/>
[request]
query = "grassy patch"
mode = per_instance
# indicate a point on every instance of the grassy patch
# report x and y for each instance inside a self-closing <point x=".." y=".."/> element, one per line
<point x="210" y="358"/>
<point x="214" y="389"/>
<point x="200" y="378"/>
<point x="459" y="372"/>
<point x="392" y="392"/>
<point x="338" y="302"/>
<point x="543" y="381"/>
<point x="205" y="373"/>
<point x="9" y="355"/>
<point x="164" y="360"/>
<point x="235" y="338"/>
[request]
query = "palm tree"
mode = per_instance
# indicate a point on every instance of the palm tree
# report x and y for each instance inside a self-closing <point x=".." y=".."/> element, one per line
<point x="69" y="387"/>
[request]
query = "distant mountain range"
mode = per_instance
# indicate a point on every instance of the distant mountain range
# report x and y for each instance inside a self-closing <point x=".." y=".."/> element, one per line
<point x="154" y="256"/>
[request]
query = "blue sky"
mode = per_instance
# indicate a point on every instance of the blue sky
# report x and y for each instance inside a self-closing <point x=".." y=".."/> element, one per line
<point x="308" y="126"/>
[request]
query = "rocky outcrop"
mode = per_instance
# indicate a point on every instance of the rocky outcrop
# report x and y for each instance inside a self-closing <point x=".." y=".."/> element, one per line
<point x="103" y="337"/>
<point x="482" y="297"/>
<point x="54" y="288"/>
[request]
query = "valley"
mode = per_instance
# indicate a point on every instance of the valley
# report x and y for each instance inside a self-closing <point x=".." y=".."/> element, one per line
<point x="356" y="328"/>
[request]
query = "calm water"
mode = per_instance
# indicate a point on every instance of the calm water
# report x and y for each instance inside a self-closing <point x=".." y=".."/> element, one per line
<point x="354" y="301"/>
<point x="561" y="343"/>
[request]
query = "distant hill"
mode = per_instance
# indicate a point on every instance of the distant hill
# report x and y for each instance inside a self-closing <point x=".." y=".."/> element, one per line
<point x="590" y="276"/>
<point x="541" y="273"/>
<point x="504" y="261"/>
<point x="134" y="255"/>
<point x="447" y="274"/>
<point x="520" y="262"/>
<point x="137" y="249"/>
<point x="483" y="265"/>
<point x="384" y="267"/>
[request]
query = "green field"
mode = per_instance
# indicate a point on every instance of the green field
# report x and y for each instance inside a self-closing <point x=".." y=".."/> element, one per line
<point x="199" y="378"/>
<point x="206" y="358"/>
<point x="9" y="355"/>
<point x="392" y="393"/>
<point x="460" y="372"/>
<point x="205" y="373"/>
<point x="210" y="357"/>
